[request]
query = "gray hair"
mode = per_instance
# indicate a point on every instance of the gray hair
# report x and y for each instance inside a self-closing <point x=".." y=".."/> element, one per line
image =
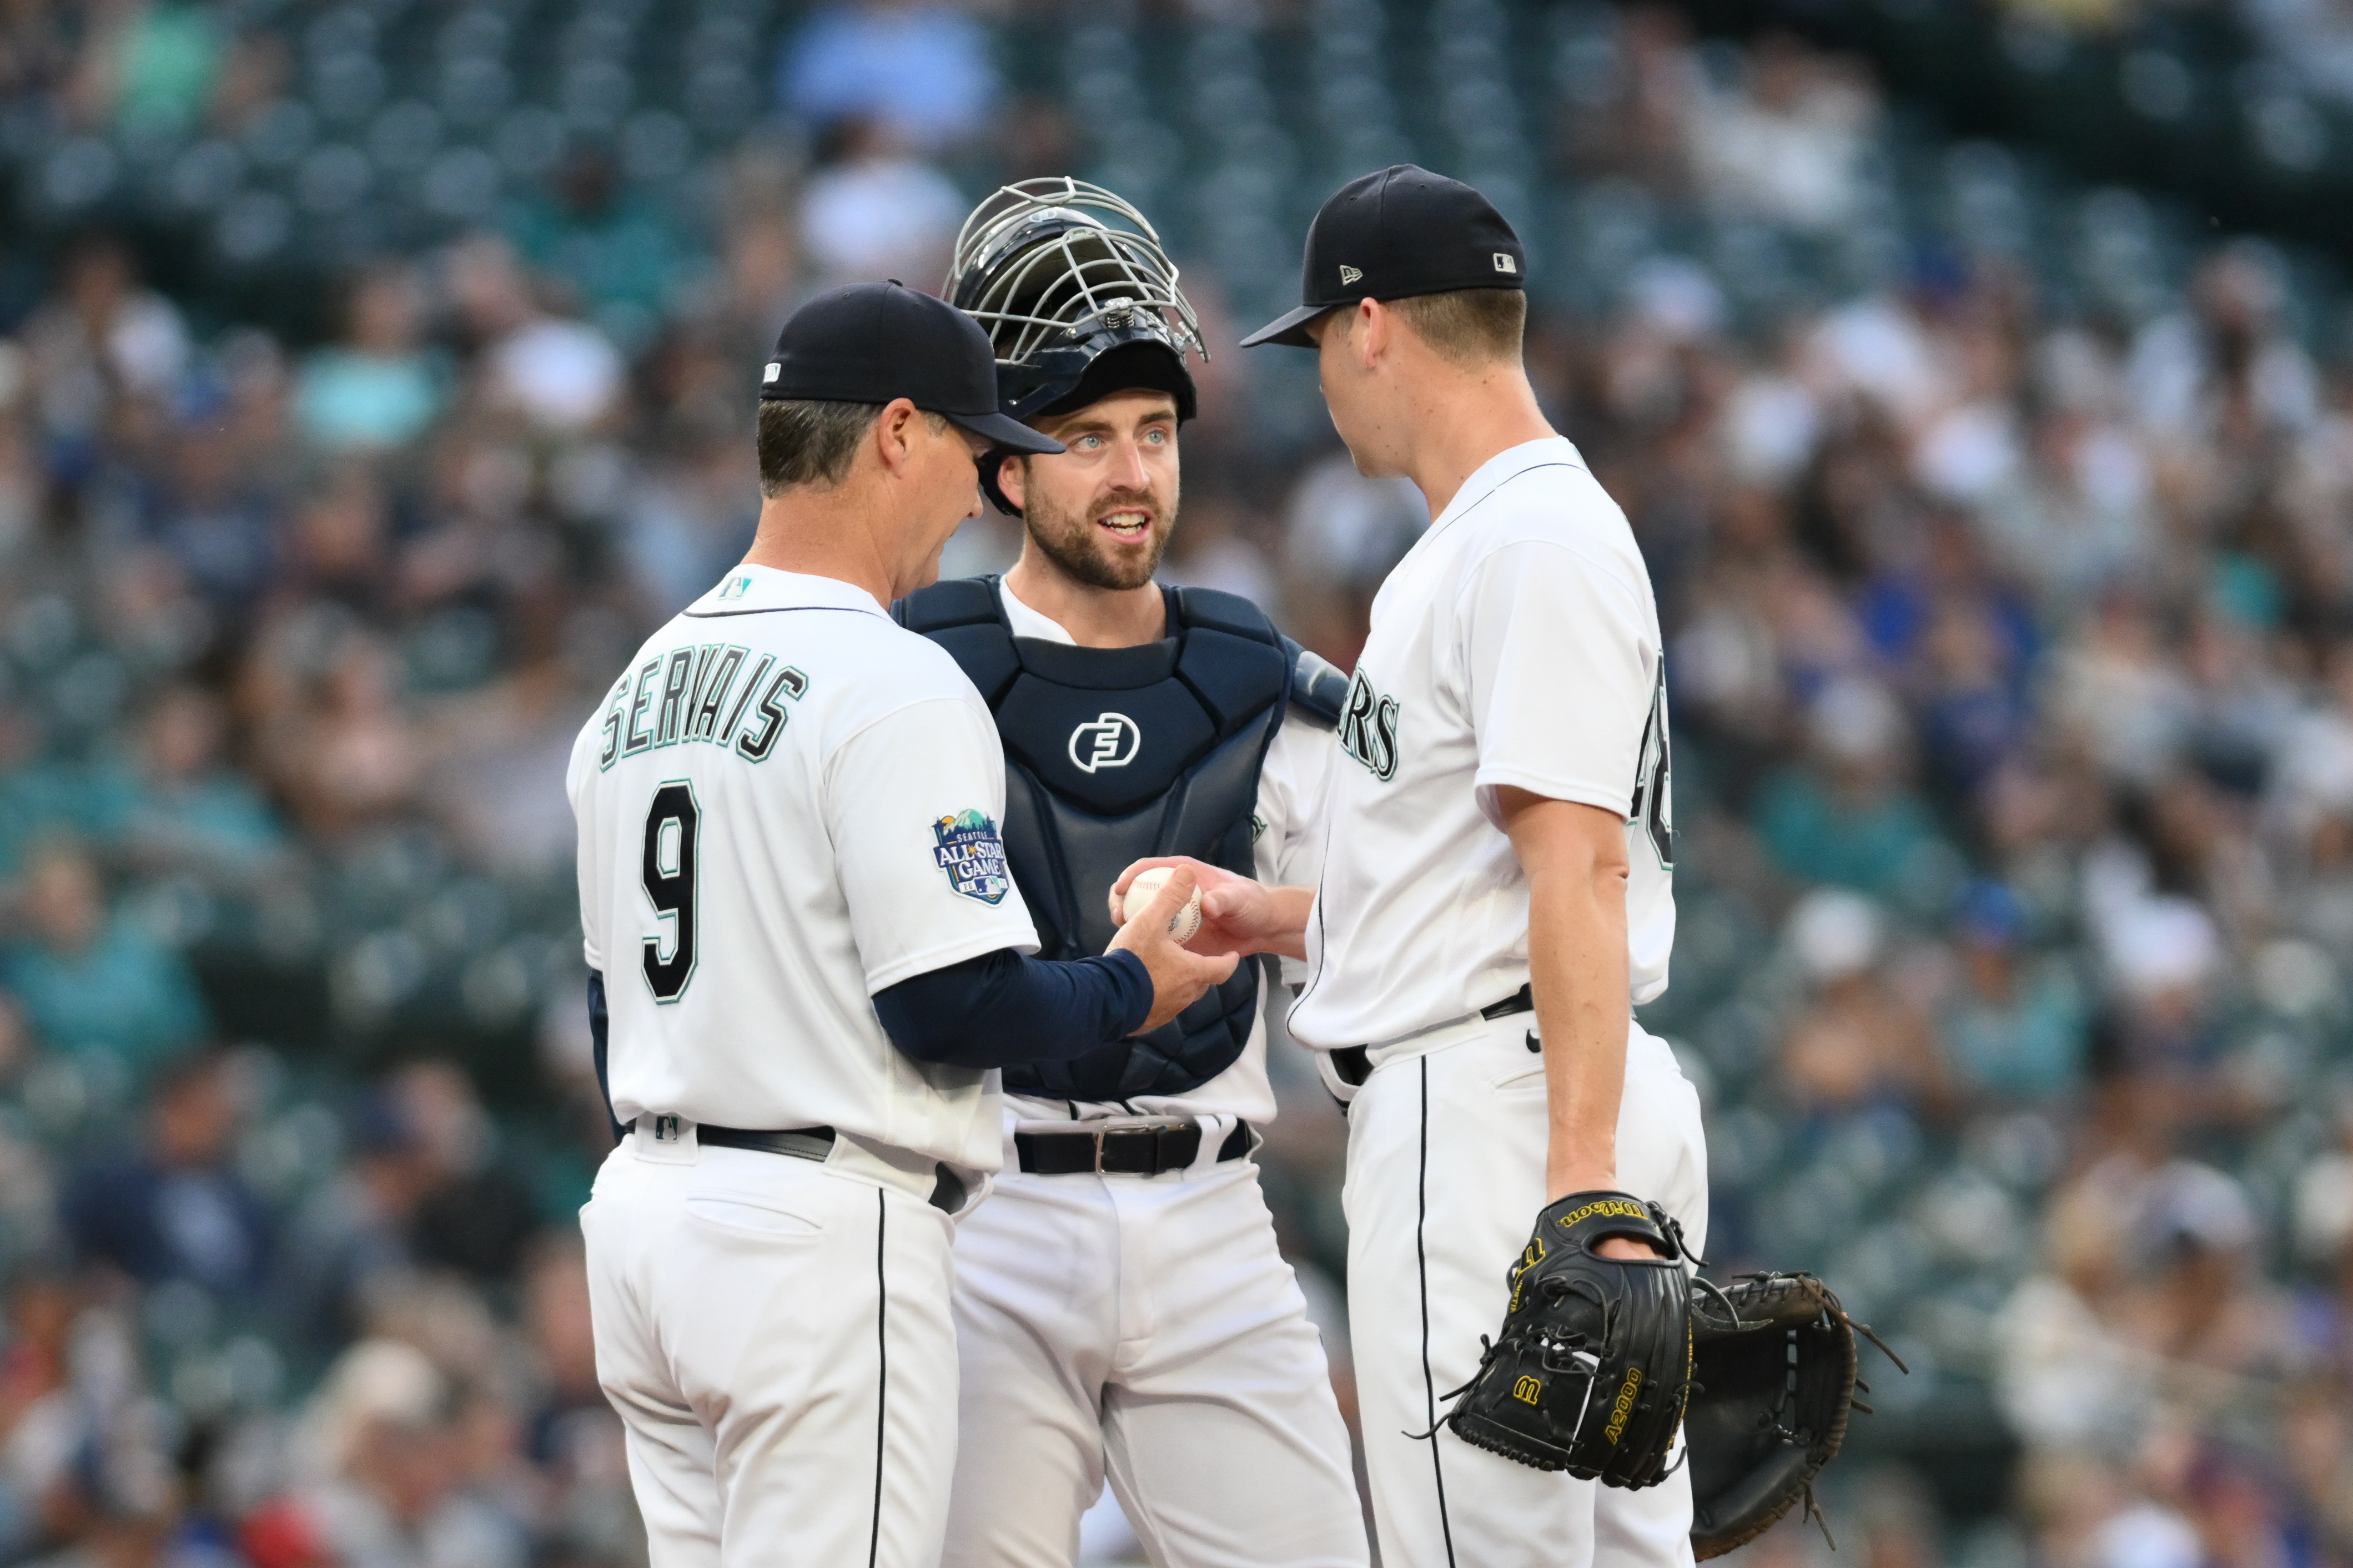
<point x="807" y="442"/>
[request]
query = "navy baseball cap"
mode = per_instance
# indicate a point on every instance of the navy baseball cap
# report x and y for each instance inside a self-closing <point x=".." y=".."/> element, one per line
<point x="871" y="343"/>
<point x="1391" y="236"/>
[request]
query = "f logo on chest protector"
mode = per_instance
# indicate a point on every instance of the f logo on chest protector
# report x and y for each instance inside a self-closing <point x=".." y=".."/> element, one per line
<point x="1107" y="741"/>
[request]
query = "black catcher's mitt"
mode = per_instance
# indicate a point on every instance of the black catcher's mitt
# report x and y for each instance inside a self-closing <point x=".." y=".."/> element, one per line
<point x="1775" y="1364"/>
<point x="1593" y="1361"/>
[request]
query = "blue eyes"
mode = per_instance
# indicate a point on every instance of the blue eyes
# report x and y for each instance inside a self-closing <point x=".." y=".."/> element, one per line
<point x="1095" y="443"/>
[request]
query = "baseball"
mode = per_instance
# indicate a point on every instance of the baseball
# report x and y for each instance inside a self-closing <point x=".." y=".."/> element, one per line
<point x="1184" y="922"/>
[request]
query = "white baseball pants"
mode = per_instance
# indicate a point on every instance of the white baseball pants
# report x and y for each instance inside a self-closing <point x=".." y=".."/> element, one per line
<point x="1446" y="1175"/>
<point x="777" y="1337"/>
<point x="1149" y="1328"/>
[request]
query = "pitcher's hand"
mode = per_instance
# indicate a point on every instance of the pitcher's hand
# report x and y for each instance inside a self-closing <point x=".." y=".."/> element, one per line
<point x="1238" y="915"/>
<point x="1180" y="978"/>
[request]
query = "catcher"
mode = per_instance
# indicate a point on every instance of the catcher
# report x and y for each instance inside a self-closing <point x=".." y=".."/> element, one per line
<point x="1496" y="892"/>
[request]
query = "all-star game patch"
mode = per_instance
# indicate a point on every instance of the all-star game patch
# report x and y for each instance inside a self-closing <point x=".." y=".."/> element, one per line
<point x="973" y="854"/>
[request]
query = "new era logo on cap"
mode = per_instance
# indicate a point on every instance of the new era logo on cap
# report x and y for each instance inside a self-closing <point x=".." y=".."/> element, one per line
<point x="1506" y="262"/>
<point x="771" y="373"/>
<point x="1349" y="275"/>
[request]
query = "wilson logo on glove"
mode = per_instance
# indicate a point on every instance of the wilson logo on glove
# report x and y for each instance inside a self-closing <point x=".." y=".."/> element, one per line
<point x="1603" y="1344"/>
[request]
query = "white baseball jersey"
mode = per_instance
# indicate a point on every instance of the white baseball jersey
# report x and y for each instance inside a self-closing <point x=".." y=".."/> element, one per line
<point x="1516" y="644"/>
<point x="787" y="804"/>
<point x="1287" y="844"/>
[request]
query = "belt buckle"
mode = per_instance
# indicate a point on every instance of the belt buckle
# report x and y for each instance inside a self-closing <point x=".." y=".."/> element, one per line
<point x="1152" y="1125"/>
<point x="1103" y="1135"/>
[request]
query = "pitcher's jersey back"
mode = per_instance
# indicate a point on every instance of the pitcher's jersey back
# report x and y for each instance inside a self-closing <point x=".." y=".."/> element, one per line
<point x="1516" y="645"/>
<point x="786" y="804"/>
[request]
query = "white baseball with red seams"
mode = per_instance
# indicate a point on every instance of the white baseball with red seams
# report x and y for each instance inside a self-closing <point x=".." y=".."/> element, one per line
<point x="1146" y="887"/>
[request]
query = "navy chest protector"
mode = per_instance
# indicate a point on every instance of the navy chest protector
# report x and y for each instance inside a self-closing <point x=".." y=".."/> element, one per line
<point x="1111" y="754"/>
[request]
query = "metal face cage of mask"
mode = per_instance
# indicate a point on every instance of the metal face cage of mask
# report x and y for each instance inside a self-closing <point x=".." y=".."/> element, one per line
<point x="1060" y="272"/>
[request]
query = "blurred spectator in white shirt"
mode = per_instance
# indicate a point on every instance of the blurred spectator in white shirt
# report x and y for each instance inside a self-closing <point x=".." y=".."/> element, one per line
<point x="2067" y="1378"/>
<point x="875" y="211"/>
<point x="560" y="375"/>
<point x="2229" y="367"/>
<point x="104" y="334"/>
<point x="1788" y="144"/>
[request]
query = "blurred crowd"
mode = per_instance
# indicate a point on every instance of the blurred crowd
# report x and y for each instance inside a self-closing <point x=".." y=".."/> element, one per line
<point x="2011" y="643"/>
<point x="2009" y="634"/>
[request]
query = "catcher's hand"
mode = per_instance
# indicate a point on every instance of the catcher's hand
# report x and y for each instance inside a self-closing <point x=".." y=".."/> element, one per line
<point x="1592" y="1370"/>
<point x="1775" y="1361"/>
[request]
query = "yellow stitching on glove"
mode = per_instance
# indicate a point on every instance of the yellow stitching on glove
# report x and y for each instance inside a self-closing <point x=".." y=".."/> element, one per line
<point x="1625" y="1405"/>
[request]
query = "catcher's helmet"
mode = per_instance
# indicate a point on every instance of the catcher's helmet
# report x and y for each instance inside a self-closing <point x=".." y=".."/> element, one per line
<point x="1075" y="292"/>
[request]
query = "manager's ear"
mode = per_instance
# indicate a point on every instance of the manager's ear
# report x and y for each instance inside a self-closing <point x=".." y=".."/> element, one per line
<point x="893" y="435"/>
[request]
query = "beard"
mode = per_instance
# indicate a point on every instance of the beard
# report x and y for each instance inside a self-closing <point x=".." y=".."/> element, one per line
<point x="1071" y="541"/>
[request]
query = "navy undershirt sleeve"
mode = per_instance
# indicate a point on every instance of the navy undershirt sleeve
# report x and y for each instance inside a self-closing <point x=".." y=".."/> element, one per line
<point x="1003" y="1007"/>
<point x="598" y="1044"/>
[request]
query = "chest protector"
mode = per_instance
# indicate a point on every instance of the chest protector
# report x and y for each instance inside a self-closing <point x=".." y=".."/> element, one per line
<point x="1113" y="754"/>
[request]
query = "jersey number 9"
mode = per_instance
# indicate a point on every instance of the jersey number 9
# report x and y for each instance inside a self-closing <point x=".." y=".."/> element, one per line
<point x="673" y="823"/>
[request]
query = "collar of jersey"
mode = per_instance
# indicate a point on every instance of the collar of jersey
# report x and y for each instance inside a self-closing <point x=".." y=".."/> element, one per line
<point x="1029" y="623"/>
<point x="1507" y="464"/>
<point x="773" y="590"/>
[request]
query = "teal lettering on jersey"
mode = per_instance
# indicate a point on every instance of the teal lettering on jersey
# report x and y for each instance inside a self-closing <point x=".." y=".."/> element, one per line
<point x="679" y="696"/>
<point x="677" y="672"/>
<point x="710" y="695"/>
<point x="755" y="745"/>
<point x="633" y="739"/>
<point x="1368" y="728"/>
<point x="611" y="749"/>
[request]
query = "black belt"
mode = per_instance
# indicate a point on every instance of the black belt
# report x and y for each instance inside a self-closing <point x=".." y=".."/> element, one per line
<point x="1122" y="1151"/>
<point x="1353" y="1064"/>
<point x="816" y="1143"/>
<point x="800" y="1142"/>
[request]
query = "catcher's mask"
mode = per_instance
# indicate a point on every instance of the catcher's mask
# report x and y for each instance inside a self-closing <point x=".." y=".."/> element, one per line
<point x="1075" y="292"/>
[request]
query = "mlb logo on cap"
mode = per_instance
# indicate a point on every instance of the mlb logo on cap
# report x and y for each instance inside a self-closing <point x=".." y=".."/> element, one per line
<point x="1506" y="262"/>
